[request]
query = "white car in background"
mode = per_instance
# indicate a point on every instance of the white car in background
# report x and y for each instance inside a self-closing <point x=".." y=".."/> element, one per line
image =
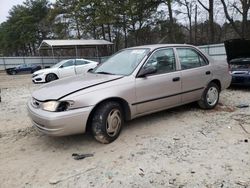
<point x="64" y="68"/>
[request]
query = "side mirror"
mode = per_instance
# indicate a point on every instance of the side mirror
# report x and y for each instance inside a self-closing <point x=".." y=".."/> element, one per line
<point x="61" y="66"/>
<point x="147" y="70"/>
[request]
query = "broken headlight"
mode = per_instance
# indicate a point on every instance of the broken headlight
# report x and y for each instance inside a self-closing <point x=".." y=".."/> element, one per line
<point x="56" y="106"/>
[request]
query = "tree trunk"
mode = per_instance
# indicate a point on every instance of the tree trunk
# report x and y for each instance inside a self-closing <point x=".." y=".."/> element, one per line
<point x="211" y="21"/>
<point x="78" y="29"/>
<point x="189" y="13"/>
<point x="171" y="28"/>
<point x="94" y="32"/>
<point x="245" y="7"/>
<point x="230" y="19"/>
<point x="210" y="11"/>
<point x="125" y="31"/>
<point x="109" y="32"/>
<point x="195" y="24"/>
<point x="103" y="32"/>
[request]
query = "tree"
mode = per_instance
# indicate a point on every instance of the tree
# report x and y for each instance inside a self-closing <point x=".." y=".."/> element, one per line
<point x="189" y="9"/>
<point x="25" y="28"/>
<point x="210" y="10"/>
<point x="242" y="7"/>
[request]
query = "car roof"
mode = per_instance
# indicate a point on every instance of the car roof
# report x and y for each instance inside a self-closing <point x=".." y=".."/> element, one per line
<point x="155" y="46"/>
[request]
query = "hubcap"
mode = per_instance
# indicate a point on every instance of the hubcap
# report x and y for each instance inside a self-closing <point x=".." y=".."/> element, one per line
<point x="212" y="96"/>
<point x="113" y="123"/>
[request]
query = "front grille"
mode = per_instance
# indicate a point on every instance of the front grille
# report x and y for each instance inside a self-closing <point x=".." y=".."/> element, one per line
<point x="35" y="103"/>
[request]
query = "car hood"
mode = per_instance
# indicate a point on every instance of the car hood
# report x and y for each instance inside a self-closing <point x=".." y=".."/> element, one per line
<point x="237" y="48"/>
<point x="66" y="86"/>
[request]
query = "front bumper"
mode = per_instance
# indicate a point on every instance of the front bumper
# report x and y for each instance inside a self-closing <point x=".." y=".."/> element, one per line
<point x="38" y="78"/>
<point x="59" y="123"/>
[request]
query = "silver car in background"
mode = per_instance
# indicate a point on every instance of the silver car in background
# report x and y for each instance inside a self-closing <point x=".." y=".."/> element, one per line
<point x="131" y="83"/>
<point x="65" y="68"/>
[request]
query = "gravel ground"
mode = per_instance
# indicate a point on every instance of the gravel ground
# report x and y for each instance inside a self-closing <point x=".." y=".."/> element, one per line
<point x="180" y="147"/>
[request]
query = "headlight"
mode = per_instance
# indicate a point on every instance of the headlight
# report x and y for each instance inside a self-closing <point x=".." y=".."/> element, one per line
<point x="57" y="106"/>
<point x="50" y="106"/>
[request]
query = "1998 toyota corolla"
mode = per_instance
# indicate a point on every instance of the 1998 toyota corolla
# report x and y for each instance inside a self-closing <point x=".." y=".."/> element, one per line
<point x="132" y="83"/>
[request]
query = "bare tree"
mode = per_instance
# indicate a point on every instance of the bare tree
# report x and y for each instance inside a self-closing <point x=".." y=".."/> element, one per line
<point x="210" y="10"/>
<point x="242" y="7"/>
<point x="189" y="6"/>
<point x="171" y="19"/>
<point x="195" y="23"/>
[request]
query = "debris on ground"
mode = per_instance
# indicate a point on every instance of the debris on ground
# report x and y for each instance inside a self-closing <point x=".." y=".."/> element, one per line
<point x="77" y="156"/>
<point x="242" y="106"/>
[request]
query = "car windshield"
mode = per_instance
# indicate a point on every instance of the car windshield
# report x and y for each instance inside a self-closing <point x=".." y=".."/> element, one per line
<point x="59" y="64"/>
<point x="122" y="63"/>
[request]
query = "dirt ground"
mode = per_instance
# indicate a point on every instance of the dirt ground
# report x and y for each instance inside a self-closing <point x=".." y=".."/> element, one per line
<point x="180" y="147"/>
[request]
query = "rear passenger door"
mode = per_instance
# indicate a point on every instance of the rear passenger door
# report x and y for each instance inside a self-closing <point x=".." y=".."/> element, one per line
<point x="80" y="66"/>
<point x="195" y="73"/>
<point x="162" y="89"/>
<point x="67" y="69"/>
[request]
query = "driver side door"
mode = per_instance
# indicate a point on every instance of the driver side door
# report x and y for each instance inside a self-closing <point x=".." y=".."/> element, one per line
<point x="162" y="89"/>
<point x="67" y="69"/>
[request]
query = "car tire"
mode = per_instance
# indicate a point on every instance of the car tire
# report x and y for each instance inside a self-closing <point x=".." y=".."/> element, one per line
<point x="107" y="122"/>
<point x="210" y="96"/>
<point x="51" y="77"/>
<point x="13" y="72"/>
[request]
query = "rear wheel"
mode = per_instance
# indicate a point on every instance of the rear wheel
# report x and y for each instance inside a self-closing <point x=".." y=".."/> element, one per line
<point x="107" y="122"/>
<point x="51" y="77"/>
<point x="210" y="97"/>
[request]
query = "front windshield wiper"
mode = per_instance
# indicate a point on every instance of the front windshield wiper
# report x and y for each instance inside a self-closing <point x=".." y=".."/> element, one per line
<point x="103" y="72"/>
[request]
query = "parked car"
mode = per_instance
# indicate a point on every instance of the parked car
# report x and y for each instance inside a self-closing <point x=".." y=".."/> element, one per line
<point x="134" y="82"/>
<point x="65" y="68"/>
<point x="23" y="68"/>
<point x="238" y="56"/>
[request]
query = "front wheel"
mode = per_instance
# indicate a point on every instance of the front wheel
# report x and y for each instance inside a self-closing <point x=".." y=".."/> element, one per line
<point x="210" y="96"/>
<point x="51" y="77"/>
<point x="13" y="72"/>
<point x="107" y="122"/>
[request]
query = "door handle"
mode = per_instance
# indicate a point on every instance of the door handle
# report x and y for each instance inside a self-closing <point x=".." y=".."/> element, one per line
<point x="208" y="72"/>
<point x="176" y="79"/>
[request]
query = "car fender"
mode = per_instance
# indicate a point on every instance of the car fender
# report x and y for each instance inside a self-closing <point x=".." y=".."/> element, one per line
<point x="123" y="89"/>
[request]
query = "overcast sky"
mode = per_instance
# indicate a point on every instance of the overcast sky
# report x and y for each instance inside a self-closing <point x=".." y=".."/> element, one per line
<point x="5" y="6"/>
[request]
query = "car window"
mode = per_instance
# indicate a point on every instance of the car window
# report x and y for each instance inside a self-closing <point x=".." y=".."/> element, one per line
<point x="189" y="58"/>
<point x="23" y="66"/>
<point x="81" y="62"/>
<point x="163" y="60"/>
<point x="68" y="63"/>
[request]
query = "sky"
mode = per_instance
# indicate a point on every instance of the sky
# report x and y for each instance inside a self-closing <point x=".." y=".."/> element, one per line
<point x="6" y="5"/>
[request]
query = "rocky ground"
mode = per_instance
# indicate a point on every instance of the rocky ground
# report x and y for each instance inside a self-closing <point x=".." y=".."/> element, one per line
<point x="180" y="147"/>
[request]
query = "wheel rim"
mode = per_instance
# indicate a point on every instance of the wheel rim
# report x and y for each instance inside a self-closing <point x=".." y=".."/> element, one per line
<point x="113" y="123"/>
<point x="212" y="96"/>
<point x="51" y="77"/>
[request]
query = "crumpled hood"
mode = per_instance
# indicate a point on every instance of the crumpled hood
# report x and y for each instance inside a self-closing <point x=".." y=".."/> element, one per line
<point x="237" y="48"/>
<point x="59" y="88"/>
